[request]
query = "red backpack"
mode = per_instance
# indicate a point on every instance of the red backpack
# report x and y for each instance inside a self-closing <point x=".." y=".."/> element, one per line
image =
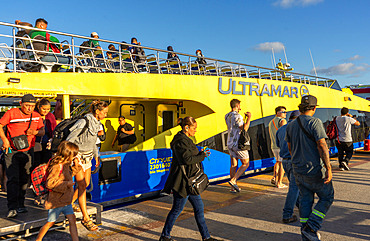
<point x="332" y="129"/>
<point x="39" y="176"/>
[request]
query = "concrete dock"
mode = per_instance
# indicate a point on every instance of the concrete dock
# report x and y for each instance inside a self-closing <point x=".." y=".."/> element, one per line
<point x="253" y="214"/>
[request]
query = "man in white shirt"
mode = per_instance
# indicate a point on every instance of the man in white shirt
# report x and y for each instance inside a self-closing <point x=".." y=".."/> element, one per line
<point x="345" y="143"/>
<point x="235" y="125"/>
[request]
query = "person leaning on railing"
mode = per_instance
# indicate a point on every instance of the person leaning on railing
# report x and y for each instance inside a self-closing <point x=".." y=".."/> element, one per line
<point x="49" y="45"/>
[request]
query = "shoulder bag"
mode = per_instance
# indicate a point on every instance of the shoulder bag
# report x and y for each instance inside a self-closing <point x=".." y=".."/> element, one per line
<point x="198" y="182"/>
<point x="21" y="142"/>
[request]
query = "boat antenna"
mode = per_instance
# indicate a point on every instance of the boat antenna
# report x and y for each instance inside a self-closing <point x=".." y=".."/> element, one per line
<point x="286" y="59"/>
<point x="273" y="56"/>
<point x="314" y="68"/>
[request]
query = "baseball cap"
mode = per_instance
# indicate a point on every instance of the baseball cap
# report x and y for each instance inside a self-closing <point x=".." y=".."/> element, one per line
<point x="94" y="34"/>
<point x="28" y="98"/>
<point x="309" y="100"/>
<point x="295" y="113"/>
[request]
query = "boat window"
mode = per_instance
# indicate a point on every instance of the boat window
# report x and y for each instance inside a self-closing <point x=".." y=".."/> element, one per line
<point x="110" y="170"/>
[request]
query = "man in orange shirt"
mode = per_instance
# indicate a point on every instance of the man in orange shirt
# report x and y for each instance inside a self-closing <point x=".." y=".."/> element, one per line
<point x="23" y="124"/>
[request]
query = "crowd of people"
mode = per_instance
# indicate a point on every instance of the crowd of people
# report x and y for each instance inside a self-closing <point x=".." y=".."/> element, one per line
<point x="299" y="147"/>
<point x="26" y="135"/>
<point x="49" y="49"/>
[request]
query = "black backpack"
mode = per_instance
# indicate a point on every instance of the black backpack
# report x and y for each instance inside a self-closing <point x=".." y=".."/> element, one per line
<point x="62" y="131"/>
<point x="244" y="141"/>
<point x="84" y="46"/>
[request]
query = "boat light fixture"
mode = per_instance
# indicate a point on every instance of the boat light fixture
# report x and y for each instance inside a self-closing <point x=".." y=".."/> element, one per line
<point x="14" y="80"/>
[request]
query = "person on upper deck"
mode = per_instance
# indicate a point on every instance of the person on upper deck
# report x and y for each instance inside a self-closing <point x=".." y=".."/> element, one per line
<point x="48" y="47"/>
<point x="21" y="32"/>
<point x="94" y="43"/>
<point x="138" y="53"/>
<point x="113" y="52"/>
<point x="200" y="59"/>
<point x="172" y="56"/>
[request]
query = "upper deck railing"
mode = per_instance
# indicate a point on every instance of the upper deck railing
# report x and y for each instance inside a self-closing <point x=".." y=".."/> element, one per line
<point x="18" y="54"/>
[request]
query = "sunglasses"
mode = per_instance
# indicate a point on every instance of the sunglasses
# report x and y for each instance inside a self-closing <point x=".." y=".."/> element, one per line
<point x="284" y="112"/>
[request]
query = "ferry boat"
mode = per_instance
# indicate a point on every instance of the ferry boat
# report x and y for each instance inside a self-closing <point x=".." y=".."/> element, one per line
<point x="152" y="92"/>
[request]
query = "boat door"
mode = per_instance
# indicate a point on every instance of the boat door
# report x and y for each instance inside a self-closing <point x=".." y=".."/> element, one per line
<point x="135" y="115"/>
<point x="167" y="115"/>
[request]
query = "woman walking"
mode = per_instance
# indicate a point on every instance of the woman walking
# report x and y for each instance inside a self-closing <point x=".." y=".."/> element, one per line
<point x="185" y="153"/>
<point x="86" y="142"/>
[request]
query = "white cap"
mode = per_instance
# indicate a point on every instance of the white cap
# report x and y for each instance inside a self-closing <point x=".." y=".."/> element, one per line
<point x="94" y="34"/>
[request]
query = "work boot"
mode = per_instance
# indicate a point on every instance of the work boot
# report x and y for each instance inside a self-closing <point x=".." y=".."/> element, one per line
<point x="310" y="234"/>
<point x="290" y="220"/>
<point x="163" y="238"/>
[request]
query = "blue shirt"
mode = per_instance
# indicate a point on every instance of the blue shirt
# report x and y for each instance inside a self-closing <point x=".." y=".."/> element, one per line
<point x="305" y="155"/>
<point x="281" y="143"/>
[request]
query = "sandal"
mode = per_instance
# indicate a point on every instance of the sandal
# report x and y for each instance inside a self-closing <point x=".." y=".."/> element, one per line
<point x="236" y="188"/>
<point x="89" y="225"/>
<point x="273" y="181"/>
<point x="76" y="208"/>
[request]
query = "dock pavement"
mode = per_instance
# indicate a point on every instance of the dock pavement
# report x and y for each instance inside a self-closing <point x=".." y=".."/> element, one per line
<point x="254" y="214"/>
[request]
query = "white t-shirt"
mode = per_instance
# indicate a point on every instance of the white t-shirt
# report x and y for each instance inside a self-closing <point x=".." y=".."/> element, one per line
<point x="344" y="124"/>
<point x="233" y="121"/>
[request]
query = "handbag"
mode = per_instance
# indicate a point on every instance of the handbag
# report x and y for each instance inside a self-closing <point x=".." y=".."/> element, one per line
<point x="244" y="141"/>
<point x="198" y="182"/>
<point x="21" y="142"/>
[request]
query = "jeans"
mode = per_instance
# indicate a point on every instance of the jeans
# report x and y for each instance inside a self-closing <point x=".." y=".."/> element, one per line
<point x="18" y="165"/>
<point x="293" y="192"/>
<point x="177" y="207"/>
<point x="61" y="59"/>
<point x="308" y="186"/>
<point x="344" y="148"/>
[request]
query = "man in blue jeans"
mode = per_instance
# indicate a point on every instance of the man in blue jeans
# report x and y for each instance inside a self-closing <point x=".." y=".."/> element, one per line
<point x="292" y="196"/>
<point x="311" y="165"/>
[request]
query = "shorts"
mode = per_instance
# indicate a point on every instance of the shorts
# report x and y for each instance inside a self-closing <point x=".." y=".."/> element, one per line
<point x="85" y="160"/>
<point x="277" y="154"/>
<point x="238" y="154"/>
<point x="53" y="214"/>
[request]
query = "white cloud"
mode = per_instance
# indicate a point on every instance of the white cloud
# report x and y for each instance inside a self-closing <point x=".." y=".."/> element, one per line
<point x="267" y="46"/>
<point x="353" y="58"/>
<point x="343" y="69"/>
<point x="293" y="3"/>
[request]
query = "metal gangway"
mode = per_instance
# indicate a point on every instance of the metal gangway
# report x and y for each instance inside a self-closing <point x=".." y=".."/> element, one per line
<point x="18" y="54"/>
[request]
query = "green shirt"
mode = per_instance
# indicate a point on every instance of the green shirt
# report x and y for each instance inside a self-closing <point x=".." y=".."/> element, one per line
<point x="41" y="35"/>
<point x="94" y="43"/>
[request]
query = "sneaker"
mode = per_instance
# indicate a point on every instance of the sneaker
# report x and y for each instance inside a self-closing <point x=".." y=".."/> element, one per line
<point x="12" y="213"/>
<point x="310" y="234"/>
<point x="345" y="165"/>
<point x="290" y="220"/>
<point x="341" y="169"/>
<point x="22" y="210"/>
<point x="212" y="239"/>
<point x="163" y="238"/>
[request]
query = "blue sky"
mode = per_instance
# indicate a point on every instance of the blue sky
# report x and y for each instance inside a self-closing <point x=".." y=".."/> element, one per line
<point x="336" y="31"/>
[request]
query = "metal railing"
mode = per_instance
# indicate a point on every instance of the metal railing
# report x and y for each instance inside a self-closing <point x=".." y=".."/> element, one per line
<point x="18" y="54"/>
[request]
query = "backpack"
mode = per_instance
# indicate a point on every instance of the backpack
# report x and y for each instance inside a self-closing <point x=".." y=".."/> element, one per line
<point x="39" y="176"/>
<point x="244" y="141"/>
<point x="84" y="46"/>
<point x="62" y="131"/>
<point x="332" y="129"/>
